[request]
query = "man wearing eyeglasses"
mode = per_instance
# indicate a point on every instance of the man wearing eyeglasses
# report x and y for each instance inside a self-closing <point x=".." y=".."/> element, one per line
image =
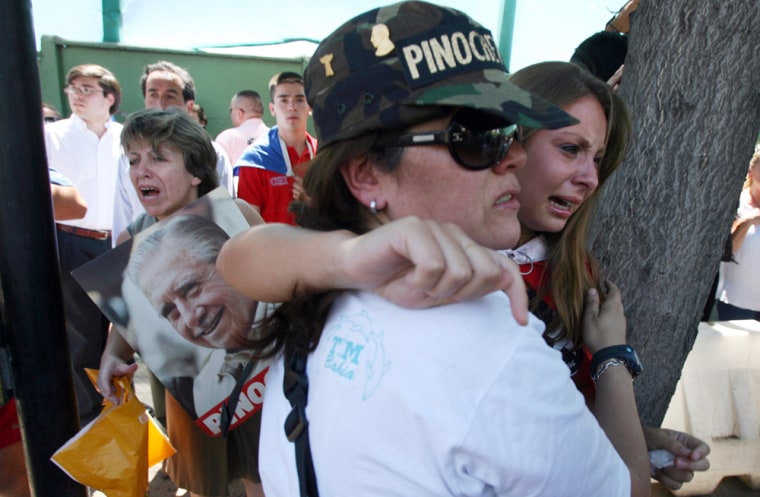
<point x="86" y="148"/>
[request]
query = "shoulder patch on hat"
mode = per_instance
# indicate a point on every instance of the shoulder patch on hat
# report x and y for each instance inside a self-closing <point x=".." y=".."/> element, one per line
<point x="449" y="50"/>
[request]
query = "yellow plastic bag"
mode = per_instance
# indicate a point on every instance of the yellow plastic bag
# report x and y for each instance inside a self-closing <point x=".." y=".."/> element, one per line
<point x="114" y="451"/>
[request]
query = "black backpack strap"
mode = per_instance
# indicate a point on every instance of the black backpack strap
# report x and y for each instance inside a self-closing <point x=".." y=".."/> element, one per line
<point x="229" y="406"/>
<point x="296" y="387"/>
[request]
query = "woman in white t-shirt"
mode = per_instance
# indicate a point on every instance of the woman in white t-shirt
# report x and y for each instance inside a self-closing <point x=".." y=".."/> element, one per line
<point x="454" y="400"/>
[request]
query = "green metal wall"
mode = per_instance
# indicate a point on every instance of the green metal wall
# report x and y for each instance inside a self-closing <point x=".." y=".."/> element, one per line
<point x="217" y="77"/>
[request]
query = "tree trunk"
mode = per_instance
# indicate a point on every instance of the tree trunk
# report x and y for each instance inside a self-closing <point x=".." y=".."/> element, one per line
<point x="692" y="82"/>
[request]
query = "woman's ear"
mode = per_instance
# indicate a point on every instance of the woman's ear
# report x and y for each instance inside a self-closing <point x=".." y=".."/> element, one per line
<point x="365" y="181"/>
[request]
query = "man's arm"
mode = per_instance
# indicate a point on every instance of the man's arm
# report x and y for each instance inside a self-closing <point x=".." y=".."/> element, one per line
<point x="68" y="203"/>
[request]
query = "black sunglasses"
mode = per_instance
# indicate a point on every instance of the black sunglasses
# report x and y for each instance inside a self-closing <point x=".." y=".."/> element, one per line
<point x="475" y="141"/>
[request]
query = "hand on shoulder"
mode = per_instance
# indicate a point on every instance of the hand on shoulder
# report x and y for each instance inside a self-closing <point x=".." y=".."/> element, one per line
<point x="421" y="263"/>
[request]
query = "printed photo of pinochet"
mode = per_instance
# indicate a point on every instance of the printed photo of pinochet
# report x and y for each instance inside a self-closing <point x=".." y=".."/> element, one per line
<point x="162" y="291"/>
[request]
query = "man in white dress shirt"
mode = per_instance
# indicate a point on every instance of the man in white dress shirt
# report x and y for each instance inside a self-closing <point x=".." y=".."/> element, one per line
<point x="86" y="148"/>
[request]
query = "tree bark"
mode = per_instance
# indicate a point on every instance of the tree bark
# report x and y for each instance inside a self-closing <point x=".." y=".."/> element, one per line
<point x="692" y="83"/>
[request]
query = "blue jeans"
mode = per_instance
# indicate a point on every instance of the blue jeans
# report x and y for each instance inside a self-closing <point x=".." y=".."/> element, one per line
<point x="728" y="312"/>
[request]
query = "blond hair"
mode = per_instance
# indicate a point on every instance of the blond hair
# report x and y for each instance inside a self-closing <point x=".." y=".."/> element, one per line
<point x="573" y="270"/>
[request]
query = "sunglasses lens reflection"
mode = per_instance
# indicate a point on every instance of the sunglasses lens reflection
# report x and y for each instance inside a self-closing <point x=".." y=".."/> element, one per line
<point x="479" y="149"/>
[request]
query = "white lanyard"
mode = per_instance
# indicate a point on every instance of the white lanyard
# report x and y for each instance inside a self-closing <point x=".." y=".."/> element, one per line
<point x="286" y="155"/>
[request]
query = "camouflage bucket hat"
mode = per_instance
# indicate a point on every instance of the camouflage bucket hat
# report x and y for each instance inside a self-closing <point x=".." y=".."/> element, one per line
<point x="394" y="66"/>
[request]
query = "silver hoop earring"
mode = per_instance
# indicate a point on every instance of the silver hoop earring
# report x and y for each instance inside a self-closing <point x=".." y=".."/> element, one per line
<point x="373" y="207"/>
<point x="520" y="258"/>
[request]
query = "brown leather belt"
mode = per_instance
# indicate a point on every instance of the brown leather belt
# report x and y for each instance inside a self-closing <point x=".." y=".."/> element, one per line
<point x="87" y="233"/>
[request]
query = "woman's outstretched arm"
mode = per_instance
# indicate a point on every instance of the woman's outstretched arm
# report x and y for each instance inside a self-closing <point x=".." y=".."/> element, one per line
<point x="411" y="262"/>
